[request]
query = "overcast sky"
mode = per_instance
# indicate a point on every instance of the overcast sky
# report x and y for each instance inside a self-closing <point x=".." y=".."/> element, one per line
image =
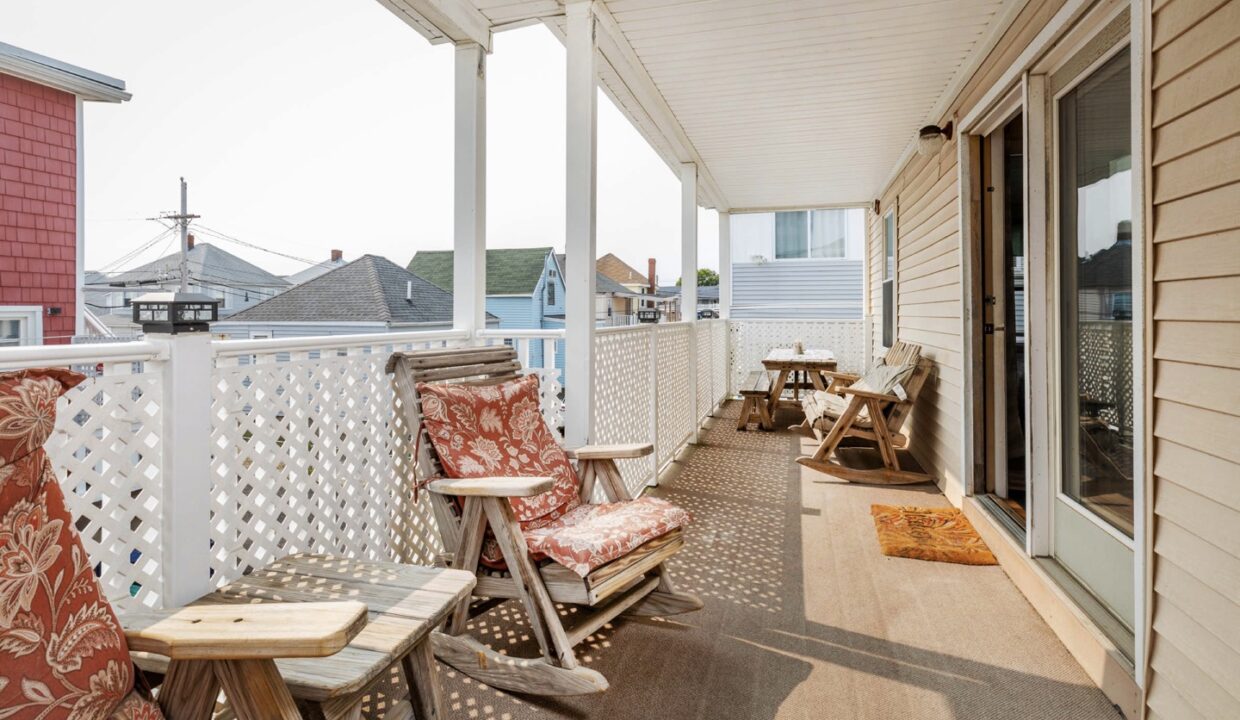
<point x="307" y="125"/>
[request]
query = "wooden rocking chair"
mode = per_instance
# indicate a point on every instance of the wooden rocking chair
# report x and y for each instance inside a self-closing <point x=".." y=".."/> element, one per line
<point x="869" y="419"/>
<point x="636" y="584"/>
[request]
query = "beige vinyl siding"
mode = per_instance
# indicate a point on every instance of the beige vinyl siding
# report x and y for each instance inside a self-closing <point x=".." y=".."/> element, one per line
<point x="925" y="194"/>
<point x="1195" y="191"/>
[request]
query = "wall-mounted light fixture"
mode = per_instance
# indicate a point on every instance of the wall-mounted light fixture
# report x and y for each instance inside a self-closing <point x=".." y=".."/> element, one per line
<point x="932" y="138"/>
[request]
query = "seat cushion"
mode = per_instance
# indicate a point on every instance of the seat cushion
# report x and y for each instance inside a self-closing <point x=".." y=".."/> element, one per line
<point x="498" y="430"/>
<point x="590" y="536"/>
<point x="824" y="405"/>
<point x="62" y="653"/>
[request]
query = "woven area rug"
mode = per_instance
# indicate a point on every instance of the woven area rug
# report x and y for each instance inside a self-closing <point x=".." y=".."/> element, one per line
<point x="938" y="534"/>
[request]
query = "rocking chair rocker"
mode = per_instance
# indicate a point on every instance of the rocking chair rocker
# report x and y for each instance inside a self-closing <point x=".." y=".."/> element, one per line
<point x="636" y="584"/>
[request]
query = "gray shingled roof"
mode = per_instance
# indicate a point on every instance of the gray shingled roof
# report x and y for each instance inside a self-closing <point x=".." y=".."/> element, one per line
<point x="371" y="288"/>
<point x="208" y="264"/>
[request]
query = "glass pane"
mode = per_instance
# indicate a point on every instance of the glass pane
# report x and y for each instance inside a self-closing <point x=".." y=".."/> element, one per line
<point x="791" y="234"/>
<point x="1014" y="307"/>
<point x="889" y="244"/>
<point x="1096" y="198"/>
<point x="828" y="233"/>
<point x="10" y="332"/>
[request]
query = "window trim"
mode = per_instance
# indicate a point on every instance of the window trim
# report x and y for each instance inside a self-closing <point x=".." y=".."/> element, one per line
<point x="31" y="316"/>
<point x="894" y="279"/>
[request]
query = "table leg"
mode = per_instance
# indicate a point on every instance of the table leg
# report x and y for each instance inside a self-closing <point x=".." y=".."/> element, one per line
<point x="255" y="690"/>
<point x="818" y="379"/>
<point x="777" y="390"/>
<point x="189" y="690"/>
<point x="419" y="668"/>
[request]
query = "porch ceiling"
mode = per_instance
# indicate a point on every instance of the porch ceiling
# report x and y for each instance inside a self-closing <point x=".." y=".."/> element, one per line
<point x="783" y="103"/>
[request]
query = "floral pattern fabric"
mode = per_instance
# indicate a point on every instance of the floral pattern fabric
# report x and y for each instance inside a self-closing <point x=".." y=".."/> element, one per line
<point x="590" y="536"/>
<point x="62" y="653"/>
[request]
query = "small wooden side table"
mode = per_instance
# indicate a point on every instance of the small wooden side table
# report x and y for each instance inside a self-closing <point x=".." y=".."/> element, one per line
<point x="405" y="603"/>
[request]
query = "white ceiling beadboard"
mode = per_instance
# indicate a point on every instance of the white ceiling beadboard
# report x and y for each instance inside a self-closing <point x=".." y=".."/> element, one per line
<point x="788" y="103"/>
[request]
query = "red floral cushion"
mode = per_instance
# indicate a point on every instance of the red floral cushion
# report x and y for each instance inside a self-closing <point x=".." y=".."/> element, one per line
<point x="62" y="653"/>
<point x="498" y="430"/>
<point x="589" y="536"/>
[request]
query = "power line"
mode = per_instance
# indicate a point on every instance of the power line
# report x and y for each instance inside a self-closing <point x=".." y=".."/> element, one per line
<point x="230" y="238"/>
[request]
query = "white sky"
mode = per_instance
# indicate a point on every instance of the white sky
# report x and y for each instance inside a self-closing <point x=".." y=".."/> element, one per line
<point x="307" y="125"/>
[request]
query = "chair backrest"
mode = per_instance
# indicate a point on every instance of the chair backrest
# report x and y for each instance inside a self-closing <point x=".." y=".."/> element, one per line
<point x="901" y="353"/>
<point x="898" y="412"/>
<point x="472" y="366"/>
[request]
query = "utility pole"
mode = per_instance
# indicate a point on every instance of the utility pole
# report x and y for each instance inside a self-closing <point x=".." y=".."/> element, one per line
<point x="183" y="219"/>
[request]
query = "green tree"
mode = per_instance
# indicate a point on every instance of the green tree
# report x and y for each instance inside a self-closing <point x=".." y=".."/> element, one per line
<point x="706" y="278"/>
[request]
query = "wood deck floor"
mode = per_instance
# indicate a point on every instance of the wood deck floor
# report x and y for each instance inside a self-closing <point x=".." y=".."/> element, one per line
<point x="804" y="617"/>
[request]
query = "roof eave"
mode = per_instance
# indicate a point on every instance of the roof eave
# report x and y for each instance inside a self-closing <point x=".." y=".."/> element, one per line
<point x="86" y="84"/>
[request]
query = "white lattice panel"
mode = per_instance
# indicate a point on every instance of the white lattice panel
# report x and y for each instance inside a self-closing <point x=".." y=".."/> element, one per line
<point x="624" y="395"/>
<point x="751" y="340"/>
<point x="106" y="450"/>
<point x="719" y="359"/>
<point x="675" y="400"/>
<point x="537" y="356"/>
<point x="309" y="455"/>
<point x="705" y="362"/>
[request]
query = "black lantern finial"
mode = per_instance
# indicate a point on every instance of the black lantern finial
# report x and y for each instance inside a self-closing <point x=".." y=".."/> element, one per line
<point x="175" y="312"/>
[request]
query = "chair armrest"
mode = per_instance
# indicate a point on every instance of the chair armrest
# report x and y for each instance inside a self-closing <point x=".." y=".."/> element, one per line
<point x="839" y="377"/>
<point x="849" y="390"/>
<point x="611" y="452"/>
<point x="245" y="632"/>
<point x="493" y="486"/>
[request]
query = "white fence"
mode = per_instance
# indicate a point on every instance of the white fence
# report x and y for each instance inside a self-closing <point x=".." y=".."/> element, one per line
<point x="306" y="453"/>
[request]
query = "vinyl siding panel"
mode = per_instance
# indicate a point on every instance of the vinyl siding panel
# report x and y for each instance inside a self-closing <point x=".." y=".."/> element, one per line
<point x="830" y="289"/>
<point x="1195" y="263"/>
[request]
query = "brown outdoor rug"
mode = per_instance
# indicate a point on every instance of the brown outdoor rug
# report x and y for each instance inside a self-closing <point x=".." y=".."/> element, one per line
<point x="939" y="534"/>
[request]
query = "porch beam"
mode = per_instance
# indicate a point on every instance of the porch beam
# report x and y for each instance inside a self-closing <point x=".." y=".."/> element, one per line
<point x="581" y="221"/>
<point x="688" y="241"/>
<point x="469" y="190"/>
<point x="444" y="21"/>
<point x="624" y="60"/>
<point x="725" y="264"/>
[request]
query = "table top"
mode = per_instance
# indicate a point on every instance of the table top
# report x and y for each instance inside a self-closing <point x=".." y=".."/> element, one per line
<point x="808" y="359"/>
<point x="405" y="603"/>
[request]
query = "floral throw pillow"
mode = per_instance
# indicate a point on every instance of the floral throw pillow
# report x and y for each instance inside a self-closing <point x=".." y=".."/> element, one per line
<point x="62" y="653"/>
<point x="498" y="431"/>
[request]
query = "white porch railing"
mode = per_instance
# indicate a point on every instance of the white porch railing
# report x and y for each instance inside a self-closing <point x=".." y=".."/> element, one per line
<point x="306" y="453"/>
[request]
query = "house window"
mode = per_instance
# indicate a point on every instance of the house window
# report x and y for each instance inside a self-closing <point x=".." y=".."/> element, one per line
<point x="811" y="234"/>
<point x="889" y="278"/>
<point x="550" y="293"/>
<point x="21" y="325"/>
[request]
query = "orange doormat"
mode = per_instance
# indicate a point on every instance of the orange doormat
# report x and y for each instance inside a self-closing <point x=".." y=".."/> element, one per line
<point x="939" y="534"/>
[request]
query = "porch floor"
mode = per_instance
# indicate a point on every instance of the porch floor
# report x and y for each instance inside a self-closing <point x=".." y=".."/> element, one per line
<point x="804" y="617"/>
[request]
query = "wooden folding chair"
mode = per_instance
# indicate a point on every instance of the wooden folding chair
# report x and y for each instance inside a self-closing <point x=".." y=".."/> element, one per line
<point x="636" y="584"/>
<point x="870" y="419"/>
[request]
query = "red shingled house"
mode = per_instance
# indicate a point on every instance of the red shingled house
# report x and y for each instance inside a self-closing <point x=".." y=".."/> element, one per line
<point x="41" y="194"/>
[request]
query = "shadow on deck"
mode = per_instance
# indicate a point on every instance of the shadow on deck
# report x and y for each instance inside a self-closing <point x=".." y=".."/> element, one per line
<point x="804" y="617"/>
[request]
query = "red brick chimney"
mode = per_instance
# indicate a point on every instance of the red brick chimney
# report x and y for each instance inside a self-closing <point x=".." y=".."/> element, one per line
<point x="337" y="255"/>
<point x="189" y="241"/>
<point x="651" y="278"/>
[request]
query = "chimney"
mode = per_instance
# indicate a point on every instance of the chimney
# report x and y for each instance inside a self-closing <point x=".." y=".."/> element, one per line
<point x="337" y="255"/>
<point x="189" y="241"/>
<point x="651" y="278"/>
<point x="408" y="291"/>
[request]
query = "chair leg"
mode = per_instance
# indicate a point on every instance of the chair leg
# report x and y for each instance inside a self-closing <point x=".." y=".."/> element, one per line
<point x="838" y="430"/>
<point x="544" y="619"/>
<point x="473" y="531"/>
<point x="419" y="671"/>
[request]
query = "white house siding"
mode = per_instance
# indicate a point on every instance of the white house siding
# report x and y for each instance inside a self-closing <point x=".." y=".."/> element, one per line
<point x="828" y="289"/>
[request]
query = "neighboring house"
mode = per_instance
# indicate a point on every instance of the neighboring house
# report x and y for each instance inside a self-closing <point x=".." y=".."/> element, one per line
<point x="369" y="295"/>
<point x="1105" y="281"/>
<point x="707" y="298"/>
<point x="623" y="273"/>
<point x="614" y="304"/>
<point x="310" y="273"/>
<point x="799" y="264"/>
<point x="237" y="284"/>
<point x="525" y="290"/>
<point x="42" y="230"/>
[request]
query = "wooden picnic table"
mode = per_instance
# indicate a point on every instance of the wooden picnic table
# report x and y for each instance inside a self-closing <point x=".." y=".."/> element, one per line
<point x="809" y="364"/>
<point x="405" y="604"/>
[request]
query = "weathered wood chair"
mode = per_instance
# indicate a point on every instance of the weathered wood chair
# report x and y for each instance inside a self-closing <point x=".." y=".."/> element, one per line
<point x="63" y="652"/>
<point x="635" y="584"/>
<point x="868" y="410"/>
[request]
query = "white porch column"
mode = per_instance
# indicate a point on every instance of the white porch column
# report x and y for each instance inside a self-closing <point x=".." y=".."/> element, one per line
<point x="688" y="241"/>
<point x="470" y="190"/>
<point x="580" y="211"/>
<point x="725" y="264"/>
